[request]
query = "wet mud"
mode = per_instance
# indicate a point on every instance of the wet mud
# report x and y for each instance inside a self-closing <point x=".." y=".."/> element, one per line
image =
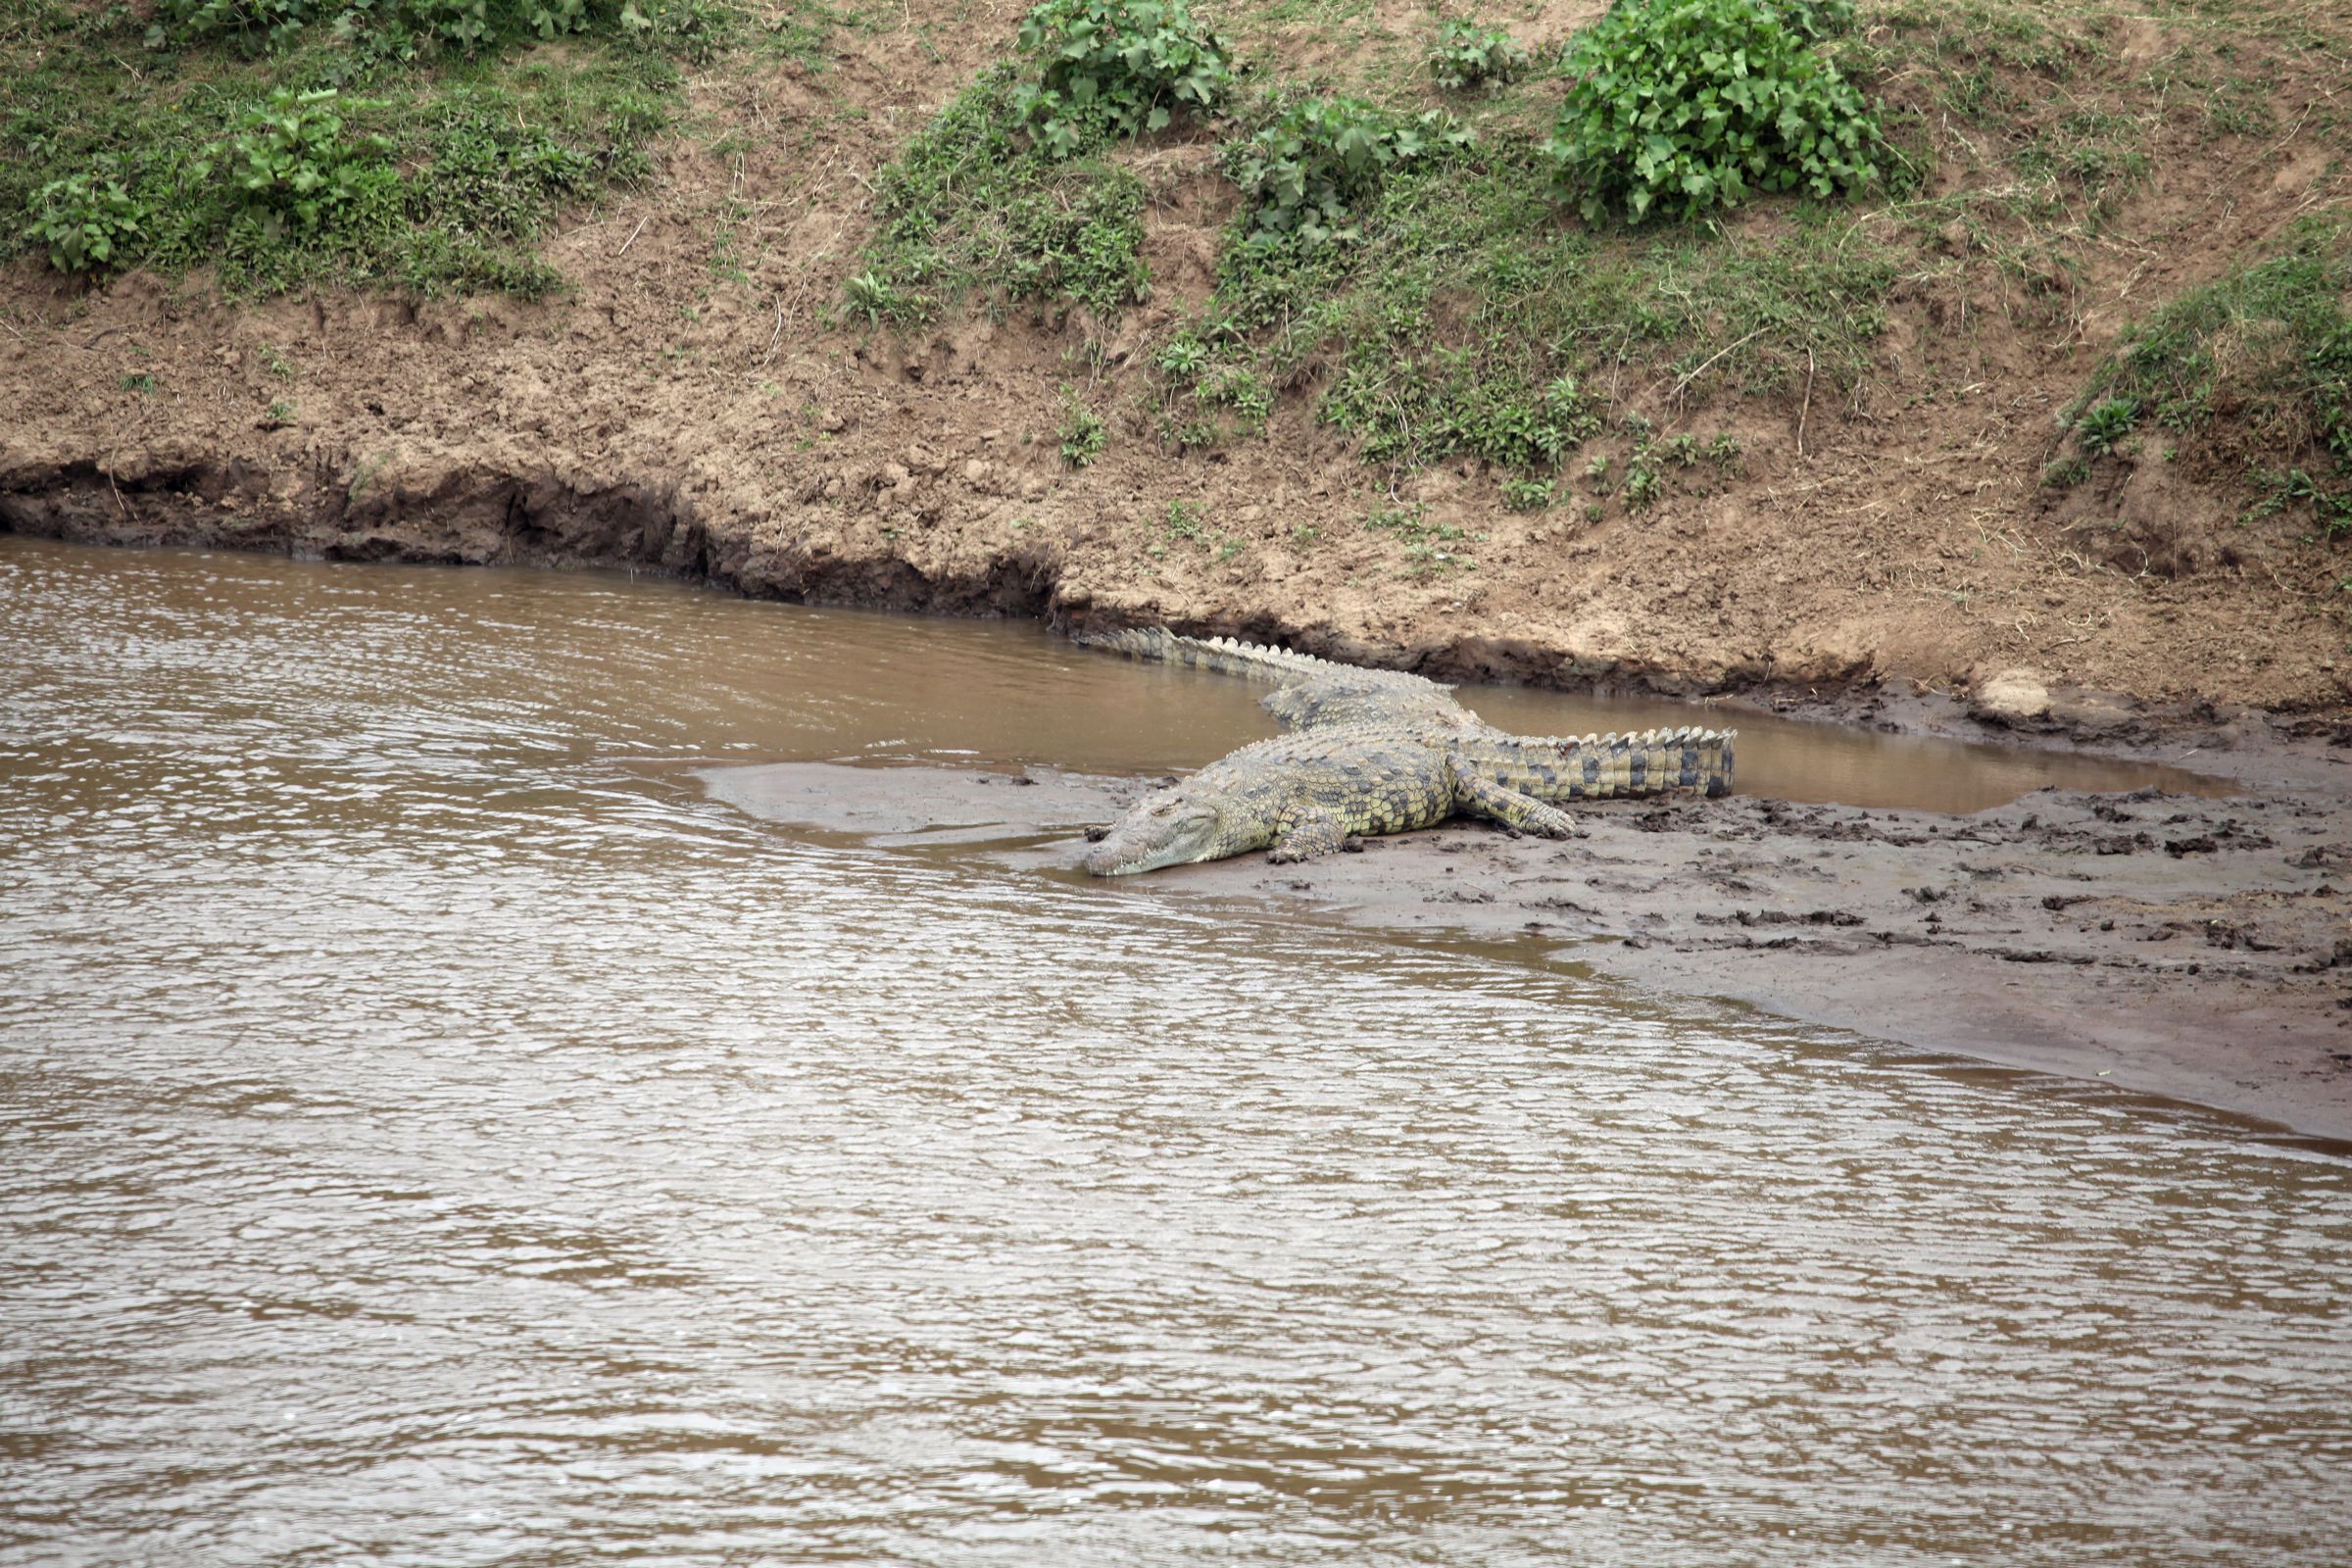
<point x="2192" y="948"/>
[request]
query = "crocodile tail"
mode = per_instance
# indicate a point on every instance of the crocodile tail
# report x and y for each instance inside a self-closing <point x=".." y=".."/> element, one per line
<point x="1274" y="666"/>
<point x="1659" y="761"/>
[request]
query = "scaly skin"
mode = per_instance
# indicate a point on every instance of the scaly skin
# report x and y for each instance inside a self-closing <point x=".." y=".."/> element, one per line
<point x="1377" y="752"/>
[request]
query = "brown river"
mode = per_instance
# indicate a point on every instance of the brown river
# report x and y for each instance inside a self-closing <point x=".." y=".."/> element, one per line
<point x="440" y="1129"/>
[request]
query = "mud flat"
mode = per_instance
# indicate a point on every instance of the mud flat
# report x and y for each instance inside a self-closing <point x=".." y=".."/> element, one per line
<point x="2194" y="948"/>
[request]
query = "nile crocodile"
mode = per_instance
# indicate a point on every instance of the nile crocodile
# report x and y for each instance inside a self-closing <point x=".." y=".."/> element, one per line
<point x="1376" y="751"/>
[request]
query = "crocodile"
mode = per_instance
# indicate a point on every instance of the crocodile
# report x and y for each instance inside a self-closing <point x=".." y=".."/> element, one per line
<point x="1376" y="750"/>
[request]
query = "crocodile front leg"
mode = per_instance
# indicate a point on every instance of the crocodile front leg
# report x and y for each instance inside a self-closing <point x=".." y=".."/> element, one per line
<point x="1304" y="832"/>
<point x="1482" y="797"/>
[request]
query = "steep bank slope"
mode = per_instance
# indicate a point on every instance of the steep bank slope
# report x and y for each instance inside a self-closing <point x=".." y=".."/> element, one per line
<point x="702" y="402"/>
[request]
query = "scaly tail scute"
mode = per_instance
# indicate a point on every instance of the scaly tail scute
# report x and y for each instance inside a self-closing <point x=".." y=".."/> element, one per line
<point x="1311" y="693"/>
<point x="1224" y="655"/>
<point x="1560" y="767"/>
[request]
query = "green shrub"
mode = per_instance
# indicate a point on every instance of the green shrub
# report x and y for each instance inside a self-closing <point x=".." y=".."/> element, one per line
<point x="877" y="300"/>
<point x="1467" y="55"/>
<point x="257" y="21"/>
<point x="86" y="221"/>
<point x="1305" y="173"/>
<point x="1683" y="104"/>
<point x="1817" y="18"/>
<point x="1117" y="68"/>
<point x="1644" y="483"/>
<point x="293" y="166"/>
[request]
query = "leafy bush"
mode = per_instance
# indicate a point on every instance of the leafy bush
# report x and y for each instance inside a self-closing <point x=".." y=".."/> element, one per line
<point x="291" y="163"/>
<point x="1818" y="19"/>
<point x="1117" y="68"/>
<point x="1681" y="105"/>
<point x="1467" y="54"/>
<point x="1305" y="173"/>
<point x="1528" y="494"/>
<point x="260" y="20"/>
<point x="87" y="222"/>
<point x="1642" y="481"/>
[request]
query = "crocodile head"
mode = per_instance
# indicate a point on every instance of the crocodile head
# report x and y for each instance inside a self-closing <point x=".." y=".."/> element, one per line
<point x="1167" y="827"/>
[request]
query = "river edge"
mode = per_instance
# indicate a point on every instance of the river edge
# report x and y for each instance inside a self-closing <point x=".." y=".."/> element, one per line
<point x="2190" y="949"/>
<point x="2193" y="948"/>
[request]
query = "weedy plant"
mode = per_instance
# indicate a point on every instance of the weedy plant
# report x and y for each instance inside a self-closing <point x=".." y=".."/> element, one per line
<point x="1082" y="433"/>
<point x="1677" y="106"/>
<point x="1467" y="55"/>
<point x="2104" y="425"/>
<point x="1305" y="173"/>
<point x="86" y="221"/>
<point x="293" y="164"/>
<point x="1118" y="67"/>
<point x="1528" y="494"/>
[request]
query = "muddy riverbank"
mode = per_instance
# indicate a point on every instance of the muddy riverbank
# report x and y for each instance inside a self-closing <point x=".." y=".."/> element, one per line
<point x="2192" y="947"/>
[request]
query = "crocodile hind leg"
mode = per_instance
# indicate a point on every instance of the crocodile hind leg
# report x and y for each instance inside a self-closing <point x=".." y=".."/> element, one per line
<point x="1304" y="832"/>
<point x="1482" y="797"/>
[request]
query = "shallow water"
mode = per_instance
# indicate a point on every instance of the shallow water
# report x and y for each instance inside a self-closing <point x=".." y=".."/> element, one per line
<point x="438" y="1131"/>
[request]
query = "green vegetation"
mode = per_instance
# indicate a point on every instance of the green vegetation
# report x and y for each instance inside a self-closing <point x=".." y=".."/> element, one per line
<point x="85" y="221"/>
<point x="2252" y="371"/>
<point x="1419" y="272"/>
<point x="1463" y="321"/>
<point x="2105" y="425"/>
<point x="1468" y="55"/>
<point x="1677" y="106"/>
<point x="413" y="142"/>
<point x="1117" y="68"/>
<point x="974" y="203"/>
<point x="1309" y="170"/>
<point x="1084" y="433"/>
<point x="1430" y="548"/>
<point x="1529" y="495"/>
<point x="1011" y="190"/>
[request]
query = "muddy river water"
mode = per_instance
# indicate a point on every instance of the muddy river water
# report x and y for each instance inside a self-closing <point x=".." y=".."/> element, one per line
<point x="437" y="1128"/>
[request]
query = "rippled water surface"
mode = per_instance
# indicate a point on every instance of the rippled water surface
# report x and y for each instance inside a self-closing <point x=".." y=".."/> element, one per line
<point x="436" y="1131"/>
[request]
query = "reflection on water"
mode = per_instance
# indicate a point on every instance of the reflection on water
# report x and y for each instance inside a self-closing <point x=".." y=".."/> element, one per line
<point x="437" y="1134"/>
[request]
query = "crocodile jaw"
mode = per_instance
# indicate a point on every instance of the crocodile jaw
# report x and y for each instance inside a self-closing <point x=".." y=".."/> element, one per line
<point x="1163" y="829"/>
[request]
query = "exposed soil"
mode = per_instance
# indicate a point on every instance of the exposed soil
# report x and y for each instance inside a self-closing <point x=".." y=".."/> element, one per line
<point x="703" y="418"/>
